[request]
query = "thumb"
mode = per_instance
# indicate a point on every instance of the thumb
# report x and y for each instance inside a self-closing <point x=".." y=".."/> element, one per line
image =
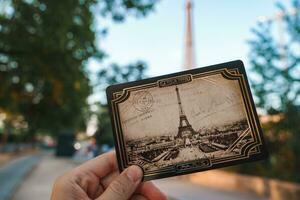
<point x="124" y="185"/>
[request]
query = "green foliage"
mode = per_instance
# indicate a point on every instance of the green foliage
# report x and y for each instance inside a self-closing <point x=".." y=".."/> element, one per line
<point x="44" y="48"/>
<point x="276" y="84"/>
<point x="120" y="74"/>
<point x="109" y="76"/>
<point x="117" y="9"/>
<point x="104" y="133"/>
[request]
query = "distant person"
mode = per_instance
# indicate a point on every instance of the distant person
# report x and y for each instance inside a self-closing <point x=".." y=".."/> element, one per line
<point x="92" y="149"/>
<point x="99" y="179"/>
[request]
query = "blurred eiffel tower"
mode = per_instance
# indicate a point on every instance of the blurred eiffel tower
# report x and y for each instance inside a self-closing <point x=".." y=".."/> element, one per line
<point x="189" y="51"/>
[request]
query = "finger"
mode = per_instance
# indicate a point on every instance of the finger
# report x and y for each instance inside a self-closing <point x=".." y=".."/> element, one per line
<point x="147" y="189"/>
<point x="109" y="178"/>
<point x="151" y="192"/>
<point x="138" y="197"/>
<point x="90" y="183"/>
<point x="124" y="185"/>
<point x="101" y="165"/>
<point x="98" y="192"/>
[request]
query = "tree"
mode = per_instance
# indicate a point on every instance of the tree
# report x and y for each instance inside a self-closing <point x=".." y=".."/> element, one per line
<point x="276" y="84"/>
<point x="44" y="48"/>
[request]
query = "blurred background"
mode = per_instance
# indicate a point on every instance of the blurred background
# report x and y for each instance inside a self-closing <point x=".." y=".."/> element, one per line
<point x="57" y="58"/>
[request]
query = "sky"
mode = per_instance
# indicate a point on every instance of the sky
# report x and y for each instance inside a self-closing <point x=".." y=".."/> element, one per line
<point x="221" y="31"/>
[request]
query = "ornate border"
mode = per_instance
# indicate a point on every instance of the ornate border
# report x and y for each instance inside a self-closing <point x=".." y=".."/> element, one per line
<point x="249" y="150"/>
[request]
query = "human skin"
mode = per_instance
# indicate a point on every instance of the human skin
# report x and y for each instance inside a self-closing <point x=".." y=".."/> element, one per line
<point x="100" y="179"/>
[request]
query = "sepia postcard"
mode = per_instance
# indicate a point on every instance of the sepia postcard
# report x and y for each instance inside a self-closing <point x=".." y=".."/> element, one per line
<point x="186" y="122"/>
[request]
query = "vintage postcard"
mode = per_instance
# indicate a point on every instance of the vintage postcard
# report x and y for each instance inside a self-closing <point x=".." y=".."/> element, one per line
<point x="186" y="122"/>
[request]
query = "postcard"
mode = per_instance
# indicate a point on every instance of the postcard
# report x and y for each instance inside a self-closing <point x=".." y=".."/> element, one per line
<point x="186" y="122"/>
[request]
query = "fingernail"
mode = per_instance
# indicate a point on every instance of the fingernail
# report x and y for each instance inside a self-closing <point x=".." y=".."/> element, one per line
<point x="134" y="173"/>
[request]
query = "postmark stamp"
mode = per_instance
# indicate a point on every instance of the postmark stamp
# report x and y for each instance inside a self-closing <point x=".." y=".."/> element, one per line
<point x="143" y="101"/>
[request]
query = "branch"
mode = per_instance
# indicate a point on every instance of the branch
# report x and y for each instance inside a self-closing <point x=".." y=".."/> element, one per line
<point x="3" y="63"/>
<point x="3" y="51"/>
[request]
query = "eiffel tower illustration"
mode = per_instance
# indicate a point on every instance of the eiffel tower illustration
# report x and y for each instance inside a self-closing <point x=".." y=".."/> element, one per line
<point x="185" y="129"/>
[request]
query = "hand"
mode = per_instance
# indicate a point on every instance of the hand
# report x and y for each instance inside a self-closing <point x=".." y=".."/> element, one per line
<point x="99" y="179"/>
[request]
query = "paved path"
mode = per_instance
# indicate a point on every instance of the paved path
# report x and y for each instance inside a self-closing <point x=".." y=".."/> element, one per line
<point x="39" y="184"/>
<point x="12" y="173"/>
<point x="184" y="190"/>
